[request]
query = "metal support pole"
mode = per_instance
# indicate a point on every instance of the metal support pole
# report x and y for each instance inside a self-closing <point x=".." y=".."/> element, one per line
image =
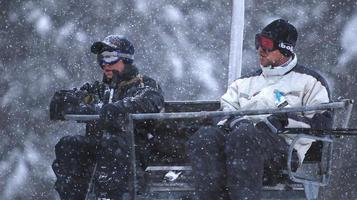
<point x="349" y="107"/>
<point x="131" y="135"/>
<point x="236" y="46"/>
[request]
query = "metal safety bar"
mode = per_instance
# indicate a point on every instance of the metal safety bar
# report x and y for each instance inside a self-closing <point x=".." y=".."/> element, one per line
<point x="204" y="114"/>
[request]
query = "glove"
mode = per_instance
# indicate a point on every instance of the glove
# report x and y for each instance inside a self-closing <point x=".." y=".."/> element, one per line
<point x="236" y="122"/>
<point x="93" y="89"/>
<point x="275" y="122"/>
<point x="279" y="120"/>
<point x="111" y="118"/>
<point x="62" y="102"/>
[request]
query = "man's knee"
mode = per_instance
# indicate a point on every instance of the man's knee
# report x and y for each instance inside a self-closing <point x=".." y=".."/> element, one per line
<point x="245" y="130"/>
<point x="71" y="188"/>
<point x="206" y="136"/>
<point x="244" y="137"/>
<point x="115" y="146"/>
<point x="74" y="156"/>
<point x="68" y="145"/>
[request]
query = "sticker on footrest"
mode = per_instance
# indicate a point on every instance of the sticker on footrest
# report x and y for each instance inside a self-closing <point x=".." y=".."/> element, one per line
<point x="172" y="176"/>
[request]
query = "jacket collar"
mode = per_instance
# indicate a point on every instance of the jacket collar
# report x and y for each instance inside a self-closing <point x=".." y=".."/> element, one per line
<point x="280" y="70"/>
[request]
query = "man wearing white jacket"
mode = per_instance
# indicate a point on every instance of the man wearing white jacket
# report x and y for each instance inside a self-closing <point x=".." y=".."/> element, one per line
<point x="238" y="149"/>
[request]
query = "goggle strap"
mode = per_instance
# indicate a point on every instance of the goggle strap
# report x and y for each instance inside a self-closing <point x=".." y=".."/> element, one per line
<point x="286" y="46"/>
<point x="128" y="56"/>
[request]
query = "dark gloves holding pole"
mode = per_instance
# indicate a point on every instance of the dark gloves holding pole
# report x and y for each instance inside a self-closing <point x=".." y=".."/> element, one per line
<point x="70" y="102"/>
<point x="111" y="118"/>
<point x="63" y="102"/>
<point x="275" y="122"/>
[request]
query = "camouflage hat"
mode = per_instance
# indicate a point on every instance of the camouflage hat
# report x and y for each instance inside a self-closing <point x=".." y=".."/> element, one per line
<point x="115" y="43"/>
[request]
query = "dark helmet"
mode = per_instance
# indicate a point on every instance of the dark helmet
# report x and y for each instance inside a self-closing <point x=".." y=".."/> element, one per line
<point x="115" y="42"/>
<point x="283" y="34"/>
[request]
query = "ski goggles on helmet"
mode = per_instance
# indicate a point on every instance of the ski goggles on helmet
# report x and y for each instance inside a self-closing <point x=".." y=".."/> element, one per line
<point x="265" y="43"/>
<point x="111" y="57"/>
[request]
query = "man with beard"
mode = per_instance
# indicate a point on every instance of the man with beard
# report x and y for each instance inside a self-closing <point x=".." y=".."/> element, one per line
<point x="105" y="148"/>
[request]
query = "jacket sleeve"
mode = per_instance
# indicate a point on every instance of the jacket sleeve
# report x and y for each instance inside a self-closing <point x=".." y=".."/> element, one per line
<point x="72" y="102"/>
<point x="229" y="101"/>
<point x="147" y="99"/>
<point x="315" y="93"/>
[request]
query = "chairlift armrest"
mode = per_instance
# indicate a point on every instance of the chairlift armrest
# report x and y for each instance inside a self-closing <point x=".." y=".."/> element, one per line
<point x="325" y="173"/>
<point x="322" y="132"/>
<point x="81" y="118"/>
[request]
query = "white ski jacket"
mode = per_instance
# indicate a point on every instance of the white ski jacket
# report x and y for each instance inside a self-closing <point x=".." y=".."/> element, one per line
<point x="288" y="85"/>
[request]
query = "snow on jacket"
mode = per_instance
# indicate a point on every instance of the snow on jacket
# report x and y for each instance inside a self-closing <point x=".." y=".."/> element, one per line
<point x="132" y="93"/>
<point x="295" y="85"/>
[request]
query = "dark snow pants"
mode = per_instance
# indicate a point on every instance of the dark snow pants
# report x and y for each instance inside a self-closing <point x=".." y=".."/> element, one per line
<point x="230" y="164"/>
<point x="76" y="157"/>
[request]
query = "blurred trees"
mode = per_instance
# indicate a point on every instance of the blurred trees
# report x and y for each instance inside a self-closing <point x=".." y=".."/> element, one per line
<point x="183" y="44"/>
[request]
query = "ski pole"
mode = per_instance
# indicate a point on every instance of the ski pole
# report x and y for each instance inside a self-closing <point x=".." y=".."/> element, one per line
<point x="91" y="182"/>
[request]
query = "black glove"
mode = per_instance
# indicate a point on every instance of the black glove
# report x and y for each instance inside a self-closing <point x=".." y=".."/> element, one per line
<point x="63" y="102"/>
<point x="275" y="122"/>
<point x="111" y="118"/>
<point x="233" y="123"/>
<point x="279" y="120"/>
<point x="93" y="89"/>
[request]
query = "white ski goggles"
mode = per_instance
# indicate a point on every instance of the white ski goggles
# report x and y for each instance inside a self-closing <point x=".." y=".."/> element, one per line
<point x="111" y="57"/>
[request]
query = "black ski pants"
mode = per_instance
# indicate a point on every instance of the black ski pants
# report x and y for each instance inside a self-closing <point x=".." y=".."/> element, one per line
<point x="76" y="158"/>
<point x="230" y="164"/>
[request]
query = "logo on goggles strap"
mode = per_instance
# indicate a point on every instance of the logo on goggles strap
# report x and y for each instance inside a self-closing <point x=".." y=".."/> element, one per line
<point x="286" y="46"/>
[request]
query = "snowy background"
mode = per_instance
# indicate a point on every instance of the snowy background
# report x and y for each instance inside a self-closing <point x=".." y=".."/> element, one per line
<point x="44" y="47"/>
